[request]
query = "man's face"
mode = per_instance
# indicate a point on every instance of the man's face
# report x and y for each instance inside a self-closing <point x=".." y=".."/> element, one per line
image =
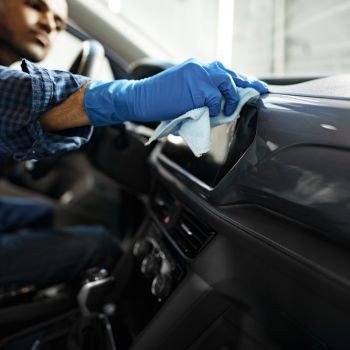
<point x="29" y="27"/>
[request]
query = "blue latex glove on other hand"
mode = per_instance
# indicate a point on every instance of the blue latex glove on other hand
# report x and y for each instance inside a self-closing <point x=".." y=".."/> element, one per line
<point x="168" y="94"/>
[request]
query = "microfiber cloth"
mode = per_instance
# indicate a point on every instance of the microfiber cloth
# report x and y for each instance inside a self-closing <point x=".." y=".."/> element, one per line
<point x="194" y="126"/>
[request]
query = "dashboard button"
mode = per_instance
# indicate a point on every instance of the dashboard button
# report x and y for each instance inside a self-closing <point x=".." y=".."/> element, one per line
<point x="161" y="285"/>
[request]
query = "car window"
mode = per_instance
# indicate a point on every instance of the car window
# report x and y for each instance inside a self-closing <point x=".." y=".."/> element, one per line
<point x="260" y="37"/>
<point x="71" y="46"/>
<point x="66" y="43"/>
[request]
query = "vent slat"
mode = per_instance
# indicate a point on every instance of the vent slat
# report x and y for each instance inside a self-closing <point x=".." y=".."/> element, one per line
<point x="190" y="234"/>
<point x="183" y="244"/>
<point x="191" y="240"/>
<point x="203" y="230"/>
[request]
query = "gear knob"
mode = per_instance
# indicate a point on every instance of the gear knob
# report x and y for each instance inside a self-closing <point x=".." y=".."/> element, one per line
<point x="93" y="291"/>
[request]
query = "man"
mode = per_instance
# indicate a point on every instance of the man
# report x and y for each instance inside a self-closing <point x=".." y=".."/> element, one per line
<point x="44" y="112"/>
<point x="28" y="28"/>
<point x="31" y="252"/>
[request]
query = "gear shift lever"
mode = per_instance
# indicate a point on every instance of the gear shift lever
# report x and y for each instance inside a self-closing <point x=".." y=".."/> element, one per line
<point x="93" y="290"/>
<point x="91" y="298"/>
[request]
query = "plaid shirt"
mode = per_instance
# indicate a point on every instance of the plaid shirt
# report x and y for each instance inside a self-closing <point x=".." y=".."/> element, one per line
<point x="24" y="96"/>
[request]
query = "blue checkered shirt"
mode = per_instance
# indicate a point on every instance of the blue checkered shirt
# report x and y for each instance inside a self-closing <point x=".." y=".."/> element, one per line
<point x="24" y="96"/>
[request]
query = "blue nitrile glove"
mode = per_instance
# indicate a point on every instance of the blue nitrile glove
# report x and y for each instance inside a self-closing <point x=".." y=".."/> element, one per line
<point x="166" y="95"/>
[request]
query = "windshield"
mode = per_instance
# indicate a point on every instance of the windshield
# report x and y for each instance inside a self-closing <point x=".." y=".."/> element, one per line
<point x="260" y="37"/>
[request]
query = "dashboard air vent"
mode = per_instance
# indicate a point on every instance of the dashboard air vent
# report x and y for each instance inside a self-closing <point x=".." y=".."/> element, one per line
<point x="190" y="234"/>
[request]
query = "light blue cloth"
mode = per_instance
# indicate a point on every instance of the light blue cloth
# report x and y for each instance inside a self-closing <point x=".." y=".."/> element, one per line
<point x="194" y="126"/>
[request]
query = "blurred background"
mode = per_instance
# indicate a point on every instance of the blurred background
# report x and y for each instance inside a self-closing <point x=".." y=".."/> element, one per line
<point x="260" y="37"/>
<point x="266" y="38"/>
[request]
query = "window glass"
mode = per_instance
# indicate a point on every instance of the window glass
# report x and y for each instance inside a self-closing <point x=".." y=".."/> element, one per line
<point x="260" y="37"/>
<point x="71" y="47"/>
<point x="67" y="44"/>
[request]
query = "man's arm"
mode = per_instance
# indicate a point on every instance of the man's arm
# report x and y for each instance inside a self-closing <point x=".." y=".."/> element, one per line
<point x="69" y="114"/>
<point x="25" y="97"/>
<point x="44" y="112"/>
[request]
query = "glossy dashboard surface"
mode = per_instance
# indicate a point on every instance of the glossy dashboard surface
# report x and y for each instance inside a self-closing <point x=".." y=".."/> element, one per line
<point x="297" y="165"/>
<point x="207" y="167"/>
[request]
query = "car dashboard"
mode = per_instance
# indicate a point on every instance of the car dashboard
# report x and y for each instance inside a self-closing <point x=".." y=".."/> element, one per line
<point x="247" y="247"/>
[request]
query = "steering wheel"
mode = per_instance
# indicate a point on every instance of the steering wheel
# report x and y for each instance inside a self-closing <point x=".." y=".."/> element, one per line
<point x="89" y="60"/>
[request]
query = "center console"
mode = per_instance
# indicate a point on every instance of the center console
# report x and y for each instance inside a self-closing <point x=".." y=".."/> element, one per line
<point x="158" y="264"/>
<point x="164" y="302"/>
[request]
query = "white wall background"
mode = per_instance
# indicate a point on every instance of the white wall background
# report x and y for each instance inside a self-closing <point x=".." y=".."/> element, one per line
<point x="259" y="37"/>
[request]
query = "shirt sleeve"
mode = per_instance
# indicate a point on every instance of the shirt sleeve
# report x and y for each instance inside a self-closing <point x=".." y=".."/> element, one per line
<point x="24" y="96"/>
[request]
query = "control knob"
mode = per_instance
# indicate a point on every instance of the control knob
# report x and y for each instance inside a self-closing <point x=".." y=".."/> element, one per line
<point x="161" y="285"/>
<point x="142" y="248"/>
<point x="151" y="265"/>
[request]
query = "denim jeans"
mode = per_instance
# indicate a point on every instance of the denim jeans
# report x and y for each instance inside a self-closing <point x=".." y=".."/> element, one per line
<point x="33" y="253"/>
